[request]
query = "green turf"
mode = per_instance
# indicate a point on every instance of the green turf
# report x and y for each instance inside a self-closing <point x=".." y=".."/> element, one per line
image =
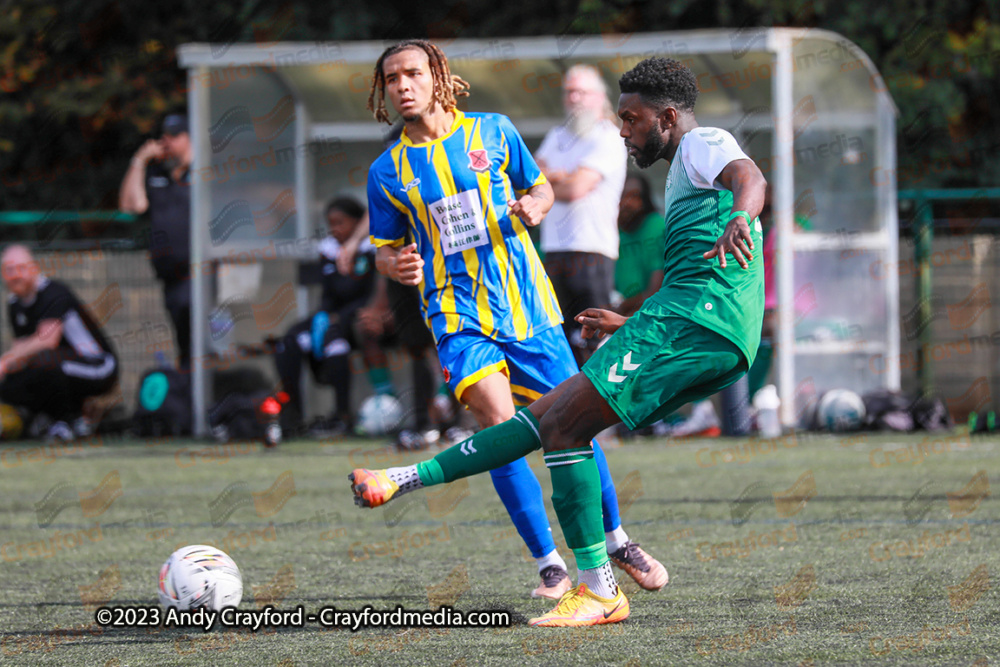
<point x="841" y="594"/>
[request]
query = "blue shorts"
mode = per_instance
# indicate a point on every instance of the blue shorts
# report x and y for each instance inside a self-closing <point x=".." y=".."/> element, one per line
<point x="533" y="366"/>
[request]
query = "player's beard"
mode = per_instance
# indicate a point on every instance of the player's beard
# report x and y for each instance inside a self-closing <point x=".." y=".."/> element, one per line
<point x="652" y="151"/>
<point x="417" y="115"/>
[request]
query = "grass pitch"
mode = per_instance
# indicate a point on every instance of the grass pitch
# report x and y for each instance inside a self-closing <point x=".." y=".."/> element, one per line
<point x="808" y="550"/>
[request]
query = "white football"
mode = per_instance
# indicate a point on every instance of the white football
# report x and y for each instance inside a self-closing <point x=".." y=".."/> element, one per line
<point x="840" y="410"/>
<point x="200" y="576"/>
<point x="380" y="414"/>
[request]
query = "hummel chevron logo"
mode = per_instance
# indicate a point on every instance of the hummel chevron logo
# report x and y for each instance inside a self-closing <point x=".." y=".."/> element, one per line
<point x="627" y="365"/>
<point x="467" y="448"/>
<point x="712" y="134"/>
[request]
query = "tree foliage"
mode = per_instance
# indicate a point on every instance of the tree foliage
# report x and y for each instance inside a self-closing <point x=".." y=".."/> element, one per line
<point x="84" y="83"/>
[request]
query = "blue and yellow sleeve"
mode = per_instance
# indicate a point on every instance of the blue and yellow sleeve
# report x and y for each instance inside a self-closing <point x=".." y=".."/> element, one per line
<point x="520" y="165"/>
<point x="386" y="222"/>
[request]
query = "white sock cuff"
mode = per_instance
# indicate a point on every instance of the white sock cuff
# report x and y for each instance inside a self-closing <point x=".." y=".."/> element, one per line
<point x="551" y="558"/>
<point x="406" y="477"/>
<point x="616" y="539"/>
<point x="600" y="581"/>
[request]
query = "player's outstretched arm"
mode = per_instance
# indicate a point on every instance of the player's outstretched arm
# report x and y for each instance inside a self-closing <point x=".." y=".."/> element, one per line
<point x="532" y="207"/>
<point x="746" y="182"/>
<point x="597" y="322"/>
<point x="403" y="265"/>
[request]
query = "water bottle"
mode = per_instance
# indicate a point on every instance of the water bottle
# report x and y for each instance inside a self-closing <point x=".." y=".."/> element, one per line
<point x="272" y="425"/>
<point x="766" y="402"/>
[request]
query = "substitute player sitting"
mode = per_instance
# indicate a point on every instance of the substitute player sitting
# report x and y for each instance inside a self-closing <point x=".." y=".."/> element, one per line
<point x="449" y="207"/>
<point x="326" y="340"/>
<point x="691" y="339"/>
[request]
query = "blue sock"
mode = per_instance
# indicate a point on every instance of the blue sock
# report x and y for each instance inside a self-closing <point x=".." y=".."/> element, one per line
<point x="609" y="497"/>
<point x="521" y="494"/>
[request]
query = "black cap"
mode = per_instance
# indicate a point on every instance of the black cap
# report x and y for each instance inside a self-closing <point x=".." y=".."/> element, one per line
<point x="174" y="124"/>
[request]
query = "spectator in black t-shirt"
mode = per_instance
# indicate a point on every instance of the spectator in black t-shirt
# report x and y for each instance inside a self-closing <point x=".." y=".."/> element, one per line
<point x="158" y="181"/>
<point x="326" y="339"/>
<point x="59" y="356"/>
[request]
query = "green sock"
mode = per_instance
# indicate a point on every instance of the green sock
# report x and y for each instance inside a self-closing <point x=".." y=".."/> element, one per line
<point x="381" y="380"/>
<point x="490" y="448"/>
<point x="576" y="497"/>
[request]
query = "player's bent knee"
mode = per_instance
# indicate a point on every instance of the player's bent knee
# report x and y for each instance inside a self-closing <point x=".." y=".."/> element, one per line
<point x="552" y="439"/>
<point x="575" y="416"/>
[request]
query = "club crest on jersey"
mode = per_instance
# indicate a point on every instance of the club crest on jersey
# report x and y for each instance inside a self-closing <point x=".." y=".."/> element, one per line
<point x="479" y="160"/>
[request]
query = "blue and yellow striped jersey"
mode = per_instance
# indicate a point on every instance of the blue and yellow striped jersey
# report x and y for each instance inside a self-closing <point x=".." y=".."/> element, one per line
<point x="481" y="271"/>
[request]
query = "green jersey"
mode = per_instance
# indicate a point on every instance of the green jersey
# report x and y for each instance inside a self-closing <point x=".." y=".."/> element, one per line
<point x="639" y="255"/>
<point x="729" y="301"/>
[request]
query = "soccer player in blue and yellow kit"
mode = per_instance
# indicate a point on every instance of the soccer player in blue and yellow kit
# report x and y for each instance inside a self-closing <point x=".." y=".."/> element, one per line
<point x="449" y="207"/>
<point x="697" y="335"/>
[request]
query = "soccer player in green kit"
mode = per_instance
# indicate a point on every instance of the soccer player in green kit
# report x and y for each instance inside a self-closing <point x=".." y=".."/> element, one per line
<point x="694" y="337"/>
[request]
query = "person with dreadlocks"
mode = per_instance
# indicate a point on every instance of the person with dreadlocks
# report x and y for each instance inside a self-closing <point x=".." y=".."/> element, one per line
<point x="449" y="207"/>
<point x="691" y="339"/>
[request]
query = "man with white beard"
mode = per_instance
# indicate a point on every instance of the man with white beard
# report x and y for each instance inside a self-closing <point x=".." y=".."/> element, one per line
<point x="585" y="161"/>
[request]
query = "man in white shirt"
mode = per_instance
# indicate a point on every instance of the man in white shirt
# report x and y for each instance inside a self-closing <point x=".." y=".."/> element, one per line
<point x="585" y="161"/>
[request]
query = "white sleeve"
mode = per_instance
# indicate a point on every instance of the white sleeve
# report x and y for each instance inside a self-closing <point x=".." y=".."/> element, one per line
<point x="707" y="151"/>
<point x="608" y="157"/>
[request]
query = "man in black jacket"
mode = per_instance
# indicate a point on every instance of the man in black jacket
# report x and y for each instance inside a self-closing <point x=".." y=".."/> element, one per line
<point x="158" y="180"/>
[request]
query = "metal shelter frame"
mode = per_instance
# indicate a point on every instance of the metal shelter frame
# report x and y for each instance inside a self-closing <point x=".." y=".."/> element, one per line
<point x="296" y="68"/>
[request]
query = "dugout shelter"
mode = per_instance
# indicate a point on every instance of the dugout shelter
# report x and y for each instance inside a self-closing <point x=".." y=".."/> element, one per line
<point x="278" y="129"/>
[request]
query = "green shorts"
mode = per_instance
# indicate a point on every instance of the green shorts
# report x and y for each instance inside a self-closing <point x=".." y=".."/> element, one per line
<point x="658" y="362"/>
